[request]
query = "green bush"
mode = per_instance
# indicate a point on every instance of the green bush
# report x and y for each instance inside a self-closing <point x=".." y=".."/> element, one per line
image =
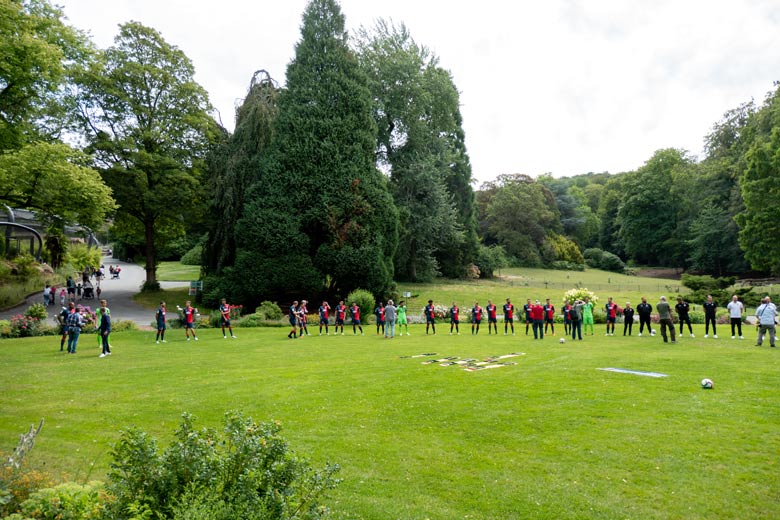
<point x="36" y="310"/>
<point x="269" y="311"/>
<point x="66" y="501"/>
<point x="490" y="259"/>
<point x="80" y="256"/>
<point x="247" y="472"/>
<point x="600" y="259"/>
<point x="124" y="325"/>
<point x="562" y="265"/>
<point x="194" y="256"/>
<point x="365" y="301"/>
<point x="706" y="282"/>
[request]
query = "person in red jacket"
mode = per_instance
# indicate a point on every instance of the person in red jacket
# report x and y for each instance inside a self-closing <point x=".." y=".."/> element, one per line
<point x="537" y="315"/>
<point x="612" y="311"/>
<point x="549" y="317"/>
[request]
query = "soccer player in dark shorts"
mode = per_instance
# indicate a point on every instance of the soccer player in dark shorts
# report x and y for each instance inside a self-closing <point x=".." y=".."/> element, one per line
<point x="527" y="312"/>
<point x="355" y="311"/>
<point x="323" y="311"/>
<point x="224" y="311"/>
<point x="159" y="316"/>
<point x="549" y="317"/>
<point x="476" y="318"/>
<point x="189" y="320"/>
<point x="455" y="318"/>
<point x="341" y="313"/>
<point x="379" y="312"/>
<point x="683" y="308"/>
<point x="430" y="317"/>
<point x="567" y="309"/>
<point x="509" y="317"/>
<point x="293" y="320"/>
<point x="611" y="308"/>
<point x="491" y="316"/>
<point x="62" y="318"/>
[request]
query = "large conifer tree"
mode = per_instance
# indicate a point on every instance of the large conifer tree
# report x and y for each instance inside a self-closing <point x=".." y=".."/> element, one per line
<point x="322" y="218"/>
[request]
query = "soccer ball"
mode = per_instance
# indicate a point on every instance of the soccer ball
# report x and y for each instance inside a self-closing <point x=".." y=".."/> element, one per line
<point x="562" y="340"/>
<point x="707" y="383"/>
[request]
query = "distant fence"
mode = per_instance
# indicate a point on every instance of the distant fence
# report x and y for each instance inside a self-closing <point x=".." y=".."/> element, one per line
<point x="601" y="287"/>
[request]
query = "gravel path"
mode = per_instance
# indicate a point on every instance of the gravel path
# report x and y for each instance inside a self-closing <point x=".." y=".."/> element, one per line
<point x="119" y="294"/>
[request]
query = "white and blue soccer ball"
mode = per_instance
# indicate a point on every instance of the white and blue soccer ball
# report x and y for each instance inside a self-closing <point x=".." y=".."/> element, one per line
<point x="562" y="340"/>
<point x="707" y="384"/>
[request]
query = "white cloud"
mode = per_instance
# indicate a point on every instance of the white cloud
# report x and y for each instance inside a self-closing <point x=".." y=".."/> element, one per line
<point x="561" y="86"/>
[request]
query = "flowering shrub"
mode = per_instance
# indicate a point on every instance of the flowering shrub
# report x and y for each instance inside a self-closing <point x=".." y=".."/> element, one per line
<point x="236" y="311"/>
<point x="573" y="295"/>
<point x="439" y="311"/>
<point x="24" y="326"/>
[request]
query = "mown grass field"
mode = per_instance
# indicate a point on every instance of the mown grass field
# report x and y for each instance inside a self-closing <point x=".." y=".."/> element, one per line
<point x="177" y="272"/>
<point x="550" y="437"/>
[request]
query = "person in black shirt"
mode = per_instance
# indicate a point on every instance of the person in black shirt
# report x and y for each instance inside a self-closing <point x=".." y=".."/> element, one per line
<point x="628" y="318"/>
<point x="644" y="309"/>
<point x="682" y="309"/>
<point x="710" y="308"/>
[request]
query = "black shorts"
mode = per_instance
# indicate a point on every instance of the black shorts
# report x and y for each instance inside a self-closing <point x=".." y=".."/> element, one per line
<point x="430" y="320"/>
<point x="476" y="322"/>
<point x="339" y="321"/>
<point x="355" y="322"/>
<point x="189" y="324"/>
<point x="549" y="320"/>
<point x="509" y="320"/>
<point x="225" y="323"/>
<point x="611" y="320"/>
<point x="380" y="322"/>
<point x="492" y="320"/>
<point x="454" y="322"/>
<point x="323" y="321"/>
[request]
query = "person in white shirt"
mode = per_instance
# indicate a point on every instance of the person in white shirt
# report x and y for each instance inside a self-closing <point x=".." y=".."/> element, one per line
<point x="766" y="314"/>
<point x="736" y="309"/>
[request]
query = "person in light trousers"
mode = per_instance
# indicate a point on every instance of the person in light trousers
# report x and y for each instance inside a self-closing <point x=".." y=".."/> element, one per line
<point x="390" y="317"/>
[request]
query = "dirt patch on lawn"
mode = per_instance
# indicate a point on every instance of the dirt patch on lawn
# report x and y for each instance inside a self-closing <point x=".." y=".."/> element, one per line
<point x="672" y="274"/>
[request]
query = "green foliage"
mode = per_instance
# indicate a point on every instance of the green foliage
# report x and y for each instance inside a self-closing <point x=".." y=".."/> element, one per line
<point x="421" y="142"/>
<point x="235" y="164"/>
<point x="16" y="481"/>
<point x="248" y="470"/>
<point x="80" y="256"/>
<point x="37" y="51"/>
<point x="66" y="501"/>
<point x="364" y="300"/>
<point x="563" y="249"/>
<point x="707" y="282"/>
<point x="194" y="256"/>
<point x="36" y="310"/>
<point x="490" y="259"/>
<point x="342" y="230"/>
<point x="269" y="311"/>
<point x="760" y="221"/>
<point x="517" y="213"/>
<point x="55" y="180"/>
<point x="563" y="265"/>
<point x="604" y="260"/>
<point x="147" y="123"/>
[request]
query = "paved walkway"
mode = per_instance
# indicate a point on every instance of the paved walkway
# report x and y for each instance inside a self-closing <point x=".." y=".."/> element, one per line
<point x="119" y="294"/>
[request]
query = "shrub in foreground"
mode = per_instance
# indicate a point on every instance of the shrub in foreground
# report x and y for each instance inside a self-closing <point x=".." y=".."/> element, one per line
<point x="247" y="472"/>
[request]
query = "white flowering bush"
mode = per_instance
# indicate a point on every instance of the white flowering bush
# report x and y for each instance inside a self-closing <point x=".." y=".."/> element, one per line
<point x="581" y="293"/>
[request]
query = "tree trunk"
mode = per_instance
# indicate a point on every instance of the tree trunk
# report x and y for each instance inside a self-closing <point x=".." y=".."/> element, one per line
<point x="151" y="255"/>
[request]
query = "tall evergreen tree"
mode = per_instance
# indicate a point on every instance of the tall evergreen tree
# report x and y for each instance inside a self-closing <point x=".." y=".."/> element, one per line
<point x="322" y="218"/>
<point x="236" y="164"/>
<point x="421" y="144"/>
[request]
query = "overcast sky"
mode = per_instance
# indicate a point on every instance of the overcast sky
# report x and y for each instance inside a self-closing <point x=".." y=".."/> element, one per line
<point x="558" y="86"/>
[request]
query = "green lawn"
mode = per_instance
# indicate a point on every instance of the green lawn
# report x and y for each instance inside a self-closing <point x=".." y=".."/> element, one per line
<point x="152" y="299"/>
<point x="551" y="437"/>
<point x="177" y="272"/>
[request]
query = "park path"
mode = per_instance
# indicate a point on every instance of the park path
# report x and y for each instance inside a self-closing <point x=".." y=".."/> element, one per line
<point x="118" y="292"/>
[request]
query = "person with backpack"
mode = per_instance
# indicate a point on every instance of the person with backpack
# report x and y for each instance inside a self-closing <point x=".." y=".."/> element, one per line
<point x="75" y="322"/>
